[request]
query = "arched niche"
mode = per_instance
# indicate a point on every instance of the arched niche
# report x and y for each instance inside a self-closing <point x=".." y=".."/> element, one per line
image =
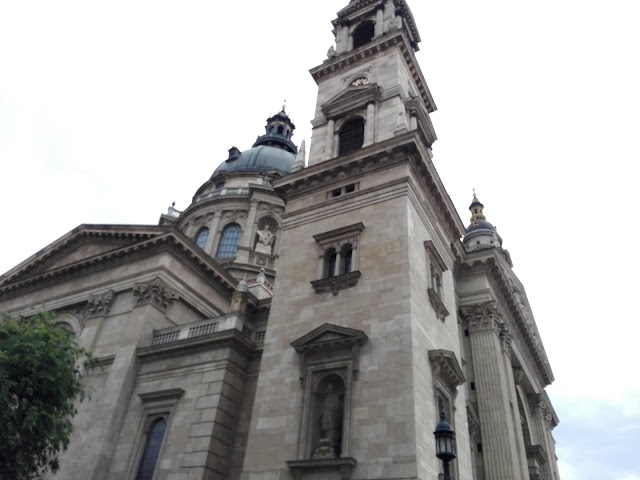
<point x="327" y="415"/>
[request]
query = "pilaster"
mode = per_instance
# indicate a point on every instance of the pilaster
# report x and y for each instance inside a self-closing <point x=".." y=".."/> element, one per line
<point x="489" y="340"/>
<point x="152" y="301"/>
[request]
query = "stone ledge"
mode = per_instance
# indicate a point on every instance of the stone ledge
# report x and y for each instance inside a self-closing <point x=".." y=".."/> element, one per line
<point x="336" y="283"/>
<point x="345" y="465"/>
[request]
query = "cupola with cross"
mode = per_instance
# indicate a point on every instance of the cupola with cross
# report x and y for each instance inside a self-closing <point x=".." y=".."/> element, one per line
<point x="480" y="233"/>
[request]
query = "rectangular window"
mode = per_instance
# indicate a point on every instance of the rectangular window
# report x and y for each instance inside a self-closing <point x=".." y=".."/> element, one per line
<point x="435" y="272"/>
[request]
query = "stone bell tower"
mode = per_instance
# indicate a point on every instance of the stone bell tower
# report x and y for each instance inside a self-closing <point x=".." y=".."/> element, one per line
<point x="362" y="350"/>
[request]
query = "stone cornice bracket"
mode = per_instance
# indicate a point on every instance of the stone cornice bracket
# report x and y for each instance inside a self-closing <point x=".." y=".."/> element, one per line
<point x="99" y="305"/>
<point x="155" y="292"/>
<point x="483" y="317"/>
<point x="445" y="365"/>
<point x="329" y="343"/>
<point x="336" y="283"/>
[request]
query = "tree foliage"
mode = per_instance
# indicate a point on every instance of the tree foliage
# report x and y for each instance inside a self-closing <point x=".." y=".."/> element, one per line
<point x="40" y="382"/>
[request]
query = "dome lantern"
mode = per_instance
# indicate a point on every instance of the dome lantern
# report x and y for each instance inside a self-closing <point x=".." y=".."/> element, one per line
<point x="278" y="132"/>
<point x="480" y="233"/>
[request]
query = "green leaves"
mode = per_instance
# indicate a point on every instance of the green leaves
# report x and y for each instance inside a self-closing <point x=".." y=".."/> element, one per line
<point x="40" y="382"/>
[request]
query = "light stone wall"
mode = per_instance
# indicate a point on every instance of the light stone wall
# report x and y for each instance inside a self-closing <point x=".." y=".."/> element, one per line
<point x="387" y="69"/>
<point x="382" y="426"/>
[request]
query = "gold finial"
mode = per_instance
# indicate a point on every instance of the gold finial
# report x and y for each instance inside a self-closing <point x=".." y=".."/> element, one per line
<point x="476" y="209"/>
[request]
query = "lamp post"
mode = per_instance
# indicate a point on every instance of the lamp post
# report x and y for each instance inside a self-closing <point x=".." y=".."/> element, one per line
<point x="445" y="444"/>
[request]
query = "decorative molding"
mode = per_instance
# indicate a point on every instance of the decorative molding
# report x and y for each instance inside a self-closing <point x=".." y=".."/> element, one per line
<point x="336" y="283"/>
<point x="330" y="342"/>
<point x="161" y="395"/>
<point x="486" y="263"/>
<point x="483" y="317"/>
<point x="435" y="257"/>
<point x="437" y="304"/>
<point x="344" y="465"/>
<point x="446" y="367"/>
<point x="98" y="305"/>
<point x="155" y="292"/>
<point x="393" y="39"/>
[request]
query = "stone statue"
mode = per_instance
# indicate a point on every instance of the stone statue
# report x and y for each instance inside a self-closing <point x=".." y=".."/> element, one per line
<point x="331" y="414"/>
<point x="331" y="53"/>
<point x="265" y="240"/>
<point x="330" y="425"/>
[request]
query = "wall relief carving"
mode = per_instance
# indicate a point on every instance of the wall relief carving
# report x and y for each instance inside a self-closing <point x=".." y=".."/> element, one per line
<point x="155" y="292"/>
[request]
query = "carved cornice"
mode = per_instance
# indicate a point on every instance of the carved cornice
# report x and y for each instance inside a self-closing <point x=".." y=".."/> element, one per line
<point x="343" y="465"/>
<point x="336" y="283"/>
<point x="524" y="322"/>
<point x="330" y="342"/>
<point x="156" y="292"/>
<point x="353" y="98"/>
<point x="171" y="239"/>
<point x="537" y="453"/>
<point x="401" y="8"/>
<point x="446" y="367"/>
<point x="407" y="148"/>
<point x="98" y="305"/>
<point x="395" y="39"/>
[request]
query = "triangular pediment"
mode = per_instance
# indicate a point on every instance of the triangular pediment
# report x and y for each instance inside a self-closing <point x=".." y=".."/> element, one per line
<point x="351" y="98"/>
<point x="328" y="336"/>
<point x="80" y="244"/>
<point x="91" y="247"/>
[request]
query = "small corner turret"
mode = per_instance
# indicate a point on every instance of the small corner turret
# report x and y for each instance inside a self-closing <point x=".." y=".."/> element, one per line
<point x="480" y="233"/>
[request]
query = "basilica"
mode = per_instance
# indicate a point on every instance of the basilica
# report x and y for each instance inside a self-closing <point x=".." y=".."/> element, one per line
<point x="313" y="313"/>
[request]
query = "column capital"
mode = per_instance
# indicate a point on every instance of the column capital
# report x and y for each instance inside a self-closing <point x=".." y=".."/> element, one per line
<point x="482" y="317"/>
<point x="99" y="305"/>
<point x="155" y="292"/>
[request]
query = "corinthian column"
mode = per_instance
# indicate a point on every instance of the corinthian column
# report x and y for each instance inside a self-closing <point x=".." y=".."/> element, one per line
<point x="488" y="342"/>
<point x="542" y="424"/>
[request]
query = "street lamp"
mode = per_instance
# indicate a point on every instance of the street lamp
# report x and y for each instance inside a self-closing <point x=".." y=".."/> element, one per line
<point x="445" y="444"/>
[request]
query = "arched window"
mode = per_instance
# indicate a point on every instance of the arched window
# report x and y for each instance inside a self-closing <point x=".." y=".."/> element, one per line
<point x="346" y="253"/>
<point x="363" y="34"/>
<point x="330" y="258"/>
<point x="228" y="246"/>
<point x="151" y="449"/>
<point x="201" y="238"/>
<point x="352" y="136"/>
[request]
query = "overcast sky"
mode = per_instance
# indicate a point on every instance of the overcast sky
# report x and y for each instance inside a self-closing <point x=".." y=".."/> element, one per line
<point x="109" y="111"/>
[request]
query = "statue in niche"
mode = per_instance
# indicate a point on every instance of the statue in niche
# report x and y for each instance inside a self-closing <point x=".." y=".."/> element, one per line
<point x="330" y="424"/>
<point x="265" y="240"/>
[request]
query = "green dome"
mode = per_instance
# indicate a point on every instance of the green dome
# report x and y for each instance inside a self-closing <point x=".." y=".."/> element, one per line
<point x="262" y="158"/>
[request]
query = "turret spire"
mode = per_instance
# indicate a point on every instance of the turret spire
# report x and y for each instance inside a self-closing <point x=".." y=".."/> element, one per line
<point x="481" y="234"/>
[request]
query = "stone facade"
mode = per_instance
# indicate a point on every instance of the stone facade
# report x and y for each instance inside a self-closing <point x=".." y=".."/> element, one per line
<point x="306" y="322"/>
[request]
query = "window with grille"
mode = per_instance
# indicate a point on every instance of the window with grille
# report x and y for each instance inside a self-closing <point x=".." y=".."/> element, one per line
<point x="201" y="238"/>
<point x="228" y="246"/>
